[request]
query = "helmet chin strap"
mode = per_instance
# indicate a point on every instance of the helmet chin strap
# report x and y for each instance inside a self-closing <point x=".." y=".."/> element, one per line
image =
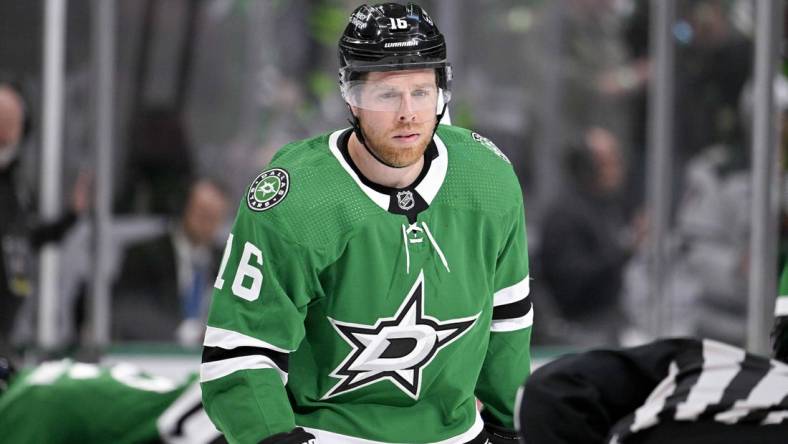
<point x="356" y="124"/>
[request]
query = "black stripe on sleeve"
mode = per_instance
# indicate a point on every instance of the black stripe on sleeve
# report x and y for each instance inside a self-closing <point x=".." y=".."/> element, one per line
<point x="757" y="415"/>
<point x="690" y="366"/>
<point x="212" y="354"/>
<point x="752" y="370"/>
<point x="514" y="310"/>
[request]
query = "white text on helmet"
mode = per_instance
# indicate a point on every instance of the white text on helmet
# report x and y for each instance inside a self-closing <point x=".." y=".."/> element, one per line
<point x="401" y="44"/>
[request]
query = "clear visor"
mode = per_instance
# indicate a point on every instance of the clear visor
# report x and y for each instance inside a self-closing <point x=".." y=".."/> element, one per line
<point x="382" y="96"/>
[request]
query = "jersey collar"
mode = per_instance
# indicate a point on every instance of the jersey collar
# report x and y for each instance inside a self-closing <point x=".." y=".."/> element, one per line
<point x="427" y="188"/>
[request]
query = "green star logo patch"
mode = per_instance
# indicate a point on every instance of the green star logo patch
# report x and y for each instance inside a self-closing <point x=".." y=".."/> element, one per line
<point x="490" y="145"/>
<point x="268" y="189"/>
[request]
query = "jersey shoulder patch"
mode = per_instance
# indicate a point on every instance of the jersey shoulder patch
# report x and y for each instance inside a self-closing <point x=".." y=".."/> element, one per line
<point x="268" y="189"/>
<point x="489" y="145"/>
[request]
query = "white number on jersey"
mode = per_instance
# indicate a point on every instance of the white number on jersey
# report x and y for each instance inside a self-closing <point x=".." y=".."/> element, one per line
<point x="129" y="375"/>
<point x="245" y="269"/>
<point x="219" y="283"/>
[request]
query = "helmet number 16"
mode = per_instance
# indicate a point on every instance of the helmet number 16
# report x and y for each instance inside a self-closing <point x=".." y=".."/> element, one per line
<point x="398" y="23"/>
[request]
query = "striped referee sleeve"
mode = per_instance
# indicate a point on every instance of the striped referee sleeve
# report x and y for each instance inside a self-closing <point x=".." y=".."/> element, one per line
<point x="512" y="308"/>
<point x="226" y="352"/>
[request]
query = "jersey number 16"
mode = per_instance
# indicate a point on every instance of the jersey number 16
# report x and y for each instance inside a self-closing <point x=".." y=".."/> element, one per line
<point x="245" y="270"/>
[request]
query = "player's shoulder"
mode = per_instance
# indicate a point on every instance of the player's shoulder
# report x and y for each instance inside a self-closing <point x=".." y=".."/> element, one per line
<point x="473" y="146"/>
<point x="303" y="154"/>
<point x="292" y="178"/>
<point x="303" y="183"/>
<point x="479" y="169"/>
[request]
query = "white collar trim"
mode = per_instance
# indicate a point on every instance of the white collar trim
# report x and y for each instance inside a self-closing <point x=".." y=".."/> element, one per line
<point x="428" y="187"/>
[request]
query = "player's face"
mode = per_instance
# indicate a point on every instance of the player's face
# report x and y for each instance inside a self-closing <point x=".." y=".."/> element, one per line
<point x="400" y="119"/>
<point x="204" y="214"/>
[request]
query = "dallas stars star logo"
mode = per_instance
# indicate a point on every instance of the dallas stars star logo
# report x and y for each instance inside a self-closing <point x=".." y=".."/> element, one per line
<point x="396" y="349"/>
<point x="268" y="189"/>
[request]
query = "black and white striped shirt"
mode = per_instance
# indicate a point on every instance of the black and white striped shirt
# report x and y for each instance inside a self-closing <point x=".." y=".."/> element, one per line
<point x="609" y="396"/>
<point x="712" y="381"/>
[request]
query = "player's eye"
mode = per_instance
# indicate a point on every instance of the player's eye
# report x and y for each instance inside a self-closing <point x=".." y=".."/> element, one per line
<point x="388" y="96"/>
<point x="421" y="93"/>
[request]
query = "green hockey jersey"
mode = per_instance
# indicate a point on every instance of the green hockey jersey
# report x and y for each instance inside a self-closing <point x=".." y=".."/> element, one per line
<point x="367" y="314"/>
<point x="72" y="402"/>
<point x="781" y="308"/>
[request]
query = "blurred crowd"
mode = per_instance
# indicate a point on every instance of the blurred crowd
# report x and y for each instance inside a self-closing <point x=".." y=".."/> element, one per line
<point x="207" y="91"/>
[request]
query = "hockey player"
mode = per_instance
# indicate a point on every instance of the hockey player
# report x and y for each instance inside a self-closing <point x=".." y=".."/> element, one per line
<point x="375" y="283"/>
<point x="673" y="390"/>
<point x="65" y="402"/>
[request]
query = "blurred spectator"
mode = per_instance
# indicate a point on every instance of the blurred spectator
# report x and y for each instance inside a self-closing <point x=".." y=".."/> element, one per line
<point x="592" y="48"/>
<point x="714" y="61"/>
<point x="164" y="285"/>
<point x="160" y="164"/>
<point x="707" y="275"/>
<point x="20" y="233"/>
<point x="15" y="276"/>
<point x="586" y="241"/>
<point x="712" y="230"/>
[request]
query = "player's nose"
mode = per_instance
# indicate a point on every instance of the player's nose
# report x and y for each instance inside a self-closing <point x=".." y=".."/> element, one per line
<point x="406" y="111"/>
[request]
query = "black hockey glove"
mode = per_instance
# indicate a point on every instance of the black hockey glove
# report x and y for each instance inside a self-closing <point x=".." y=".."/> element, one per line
<point x="500" y="435"/>
<point x="495" y="435"/>
<point x="295" y="436"/>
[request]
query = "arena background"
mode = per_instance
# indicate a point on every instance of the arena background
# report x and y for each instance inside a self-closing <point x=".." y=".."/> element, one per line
<point x="145" y="97"/>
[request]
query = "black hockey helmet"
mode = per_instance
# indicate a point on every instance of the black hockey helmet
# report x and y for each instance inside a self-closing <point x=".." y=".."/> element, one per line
<point x="392" y="37"/>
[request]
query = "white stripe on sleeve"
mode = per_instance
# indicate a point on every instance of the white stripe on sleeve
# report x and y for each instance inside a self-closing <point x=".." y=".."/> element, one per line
<point x="514" y="293"/>
<point x="219" y="369"/>
<point x="228" y="339"/>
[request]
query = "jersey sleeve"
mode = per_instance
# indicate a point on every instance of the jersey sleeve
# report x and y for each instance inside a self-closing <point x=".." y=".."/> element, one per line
<point x="508" y="360"/>
<point x="256" y="320"/>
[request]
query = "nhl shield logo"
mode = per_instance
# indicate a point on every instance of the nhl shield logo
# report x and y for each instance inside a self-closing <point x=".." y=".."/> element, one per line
<point x="268" y="189"/>
<point x="405" y="200"/>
